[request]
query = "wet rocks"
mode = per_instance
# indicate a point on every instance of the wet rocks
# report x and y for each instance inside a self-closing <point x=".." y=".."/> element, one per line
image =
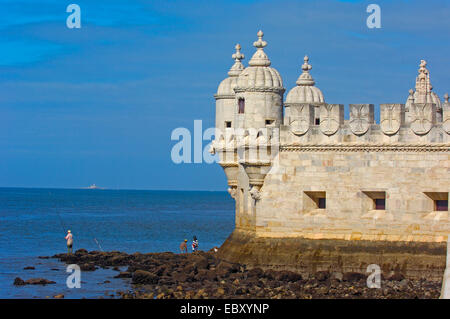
<point x="29" y="268"/>
<point x="144" y="277"/>
<point x="203" y="275"/>
<point x="33" y="281"/>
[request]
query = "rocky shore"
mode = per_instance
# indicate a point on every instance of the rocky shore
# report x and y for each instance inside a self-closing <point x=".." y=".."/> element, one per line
<point x="203" y="275"/>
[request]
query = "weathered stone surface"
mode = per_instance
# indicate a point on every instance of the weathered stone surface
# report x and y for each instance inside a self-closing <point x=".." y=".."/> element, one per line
<point x="308" y="256"/>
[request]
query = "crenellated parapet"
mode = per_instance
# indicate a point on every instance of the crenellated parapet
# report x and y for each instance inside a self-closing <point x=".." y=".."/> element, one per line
<point x="324" y="123"/>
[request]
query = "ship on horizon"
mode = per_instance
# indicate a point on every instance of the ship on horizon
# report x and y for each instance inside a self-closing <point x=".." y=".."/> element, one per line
<point x="93" y="186"/>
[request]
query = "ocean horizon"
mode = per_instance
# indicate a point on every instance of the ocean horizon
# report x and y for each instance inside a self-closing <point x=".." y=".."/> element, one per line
<point x="34" y="222"/>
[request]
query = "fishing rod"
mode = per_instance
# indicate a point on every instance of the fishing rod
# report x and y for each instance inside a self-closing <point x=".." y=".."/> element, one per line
<point x="90" y="231"/>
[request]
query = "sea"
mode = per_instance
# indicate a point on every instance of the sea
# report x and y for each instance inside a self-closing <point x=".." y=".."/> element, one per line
<point x="34" y="222"/>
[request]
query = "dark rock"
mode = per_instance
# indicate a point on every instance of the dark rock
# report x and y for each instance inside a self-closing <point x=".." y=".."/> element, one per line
<point x="29" y="268"/>
<point x="39" y="281"/>
<point x="255" y="272"/>
<point x="354" y="276"/>
<point x="88" y="267"/>
<point x="144" y="277"/>
<point x="19" y="281"/>
<point x="396" y="277"/>
<point x="322" y="275"/>
<point x="288" y="276"/>
<point x="124" y="274"/>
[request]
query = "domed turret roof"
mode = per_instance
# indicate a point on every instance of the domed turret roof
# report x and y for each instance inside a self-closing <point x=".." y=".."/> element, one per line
<point x="226" y="87"/>
<point x="259" y="75"/>
<point x="423" y="92"/>
<point x="305" y="91"/>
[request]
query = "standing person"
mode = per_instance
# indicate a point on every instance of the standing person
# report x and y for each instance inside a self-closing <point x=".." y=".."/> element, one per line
<point x="195" y="244"/>
<point x="183" y="246"/>
<point x="69" y="238"/>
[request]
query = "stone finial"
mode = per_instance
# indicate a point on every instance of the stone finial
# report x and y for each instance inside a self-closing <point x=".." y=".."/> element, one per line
<point x="305" y="78"/>
<point x="446" y="98"/>
<point x="260" y="43"/>
<point x="237" y="67"/>
<point x="238" y="56"/>
<point x="306" y="66"/>
<point x="423" y="85"/>
<point x="259" y="58"/>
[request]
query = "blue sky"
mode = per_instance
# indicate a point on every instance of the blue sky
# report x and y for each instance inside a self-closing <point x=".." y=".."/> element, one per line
<point x="98" y="104"/>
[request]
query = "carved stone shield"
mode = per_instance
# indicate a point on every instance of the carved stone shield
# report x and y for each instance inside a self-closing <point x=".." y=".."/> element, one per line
<point x="391" y="118"/>
<point x="331" y="118"/>
<point x="361" y="117"/>
<point x="301" y="117"/>
<point x="446" y="117"/>
<point x="423" y="116"/>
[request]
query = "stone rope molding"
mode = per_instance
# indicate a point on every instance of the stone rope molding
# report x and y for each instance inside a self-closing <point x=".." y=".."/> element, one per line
<point x="438" y="147"/>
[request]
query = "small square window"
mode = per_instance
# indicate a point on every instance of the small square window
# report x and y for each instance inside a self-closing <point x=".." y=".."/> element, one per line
<point x="317" y="121"/>
<point x="269" y="122"/>
<point x="227" y="123"/>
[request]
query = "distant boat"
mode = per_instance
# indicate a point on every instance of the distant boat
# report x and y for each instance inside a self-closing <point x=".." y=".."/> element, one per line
<point x="93" y="186"/>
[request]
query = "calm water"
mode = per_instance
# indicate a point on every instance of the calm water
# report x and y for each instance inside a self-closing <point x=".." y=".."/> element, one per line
<point x="33" y="223"/>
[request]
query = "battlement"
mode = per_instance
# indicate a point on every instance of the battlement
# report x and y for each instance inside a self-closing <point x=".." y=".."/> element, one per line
<point x="420" y="123"/>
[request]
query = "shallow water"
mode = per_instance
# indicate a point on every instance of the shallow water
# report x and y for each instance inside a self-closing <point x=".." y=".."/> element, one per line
<point x="33" y="223"/>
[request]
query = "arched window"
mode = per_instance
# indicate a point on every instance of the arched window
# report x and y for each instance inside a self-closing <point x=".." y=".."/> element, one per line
<point x="241" y="104"/>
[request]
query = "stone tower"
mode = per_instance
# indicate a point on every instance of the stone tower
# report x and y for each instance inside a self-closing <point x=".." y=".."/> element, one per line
<point x="316" y="192"/>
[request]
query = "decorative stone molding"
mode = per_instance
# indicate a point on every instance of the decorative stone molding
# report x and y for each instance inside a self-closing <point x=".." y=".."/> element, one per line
<point x="341" y="147"/>
<point x="392" y="117"/>
<point x="232" y="191"/>
<point x="260" y="89"/>
<point x="301" y="117"/>
<point x="255" y="193"/>
<point x="220" y="97"/>
<point x="361" y="117"/>
<point x="331" y="118"/>
<point x="446" y="115"/>
<point x="423" y="117"/>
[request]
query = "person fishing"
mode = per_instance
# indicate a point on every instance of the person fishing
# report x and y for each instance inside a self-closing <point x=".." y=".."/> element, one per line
<point x="194" y="244"/>
<point x="69" y="238"/>
<point x="183" y="246"/>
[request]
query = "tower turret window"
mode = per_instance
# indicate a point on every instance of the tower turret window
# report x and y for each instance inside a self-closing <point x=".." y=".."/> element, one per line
<point x="227" y="123"/>
<point x="241" y="104"/>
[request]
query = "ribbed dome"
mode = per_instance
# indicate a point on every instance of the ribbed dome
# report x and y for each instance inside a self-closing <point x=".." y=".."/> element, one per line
<point x="433" y="98"/>
<point x="226" y="87"/>
<point x="259" y="74"/>
<point x="305" y="91"/>
<point x="305" y="94"/>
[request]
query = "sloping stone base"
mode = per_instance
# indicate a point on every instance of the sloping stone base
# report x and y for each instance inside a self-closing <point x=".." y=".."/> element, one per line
<point x="414" y="260"/>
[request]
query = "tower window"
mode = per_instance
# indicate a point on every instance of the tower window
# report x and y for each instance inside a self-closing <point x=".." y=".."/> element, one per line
<point x="269" y="122"/>
<point x="227" y="123"/>
<point x="440" y="200"/>
<point x="322" y="202"/>
<point x="314" y="200"/>
<point x="317" y="121"/>
<point x="380" y="203"/>
<point x="441" y="205"/>
<point x="241" y="104"/>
